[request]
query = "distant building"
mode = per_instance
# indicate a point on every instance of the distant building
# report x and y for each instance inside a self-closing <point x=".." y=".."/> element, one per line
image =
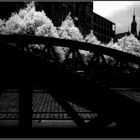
<point x="82" y="13"/>
<point x="120" y="35"/>
<point x="133" y="30"/>
<point x="104" y="29"/>
<point x="134" y="26"/>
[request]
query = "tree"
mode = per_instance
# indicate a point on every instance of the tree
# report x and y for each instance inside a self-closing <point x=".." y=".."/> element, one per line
<point x="2" y="26"/>
<point x="68" y="30"/>
<point x="31" y="22"/>
<point x="113" y="45"/>
<point x="91" y="38"/>
<point x="130" y="44"/>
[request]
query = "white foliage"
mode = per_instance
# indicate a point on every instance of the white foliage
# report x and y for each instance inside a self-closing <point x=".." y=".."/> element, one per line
<point x="86" y="56"/>
<point x="47" y="30"/>
<point x="130" y="44"/>
<point x="113" y="45"/>
<point x="15" y="25"/>
<point x="2" y="26"/>
<point x="67" y="30"/>
<point x="61" y="52"/>
<point x="29" y="21"/>
<point x="91" y="38"/>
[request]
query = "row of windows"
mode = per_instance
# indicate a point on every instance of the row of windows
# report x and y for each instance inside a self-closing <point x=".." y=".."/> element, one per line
<point x="87" y="20"/>
<point x="90" y="20"/>
<point x="101" y="30"/>
<point x="85" y="29"/>
<point x="101" y="21"/>
<point x="102" y="37"/>
<point x="86" y="16"/>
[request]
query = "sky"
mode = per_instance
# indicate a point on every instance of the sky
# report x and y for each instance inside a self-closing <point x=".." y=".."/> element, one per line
<point x="119" y="12"/>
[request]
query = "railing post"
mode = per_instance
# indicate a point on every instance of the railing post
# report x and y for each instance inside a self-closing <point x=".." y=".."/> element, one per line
<point x="25" y="106"/>
<point x="25" y="95"/>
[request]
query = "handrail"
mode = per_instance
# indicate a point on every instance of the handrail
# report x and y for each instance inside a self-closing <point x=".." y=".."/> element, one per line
<point x="73" y="44"/>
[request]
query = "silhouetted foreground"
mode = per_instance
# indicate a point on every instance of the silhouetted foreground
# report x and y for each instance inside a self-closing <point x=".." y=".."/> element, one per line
<point x="24" y="71"/>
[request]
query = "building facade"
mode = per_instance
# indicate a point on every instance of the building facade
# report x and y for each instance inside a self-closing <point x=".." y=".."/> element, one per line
<point x="84" y="17"/>
<point x="7" y="8"/>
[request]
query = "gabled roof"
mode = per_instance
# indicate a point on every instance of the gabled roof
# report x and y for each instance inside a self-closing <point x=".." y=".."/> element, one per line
<point x="120" y="35"/>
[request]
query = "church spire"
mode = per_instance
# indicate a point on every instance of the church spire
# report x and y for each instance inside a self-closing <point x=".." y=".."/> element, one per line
<point x="134" y="11"/>
<point x="139" y="33"/>
<point x="128" y="33"/>
<point x="134" y="25"/>
<point x="134" y="15"/>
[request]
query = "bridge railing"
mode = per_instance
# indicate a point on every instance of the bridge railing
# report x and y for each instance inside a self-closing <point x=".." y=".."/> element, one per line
<point x="47" y="53"/>
<point x="73" y="45"/>
<point x="103" y="61"/>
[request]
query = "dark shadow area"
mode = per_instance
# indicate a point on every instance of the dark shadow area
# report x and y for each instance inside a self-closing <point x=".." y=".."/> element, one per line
<point x="25" y="71"/>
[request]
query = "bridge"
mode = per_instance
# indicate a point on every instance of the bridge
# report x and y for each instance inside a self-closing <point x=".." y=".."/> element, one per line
<point x="100" y="87"/>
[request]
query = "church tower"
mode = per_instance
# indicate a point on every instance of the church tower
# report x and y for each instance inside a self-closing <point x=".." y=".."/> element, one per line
<point x="139" y="34"/>
<point x="128" y="33"/>
<point x="134" y="26"/>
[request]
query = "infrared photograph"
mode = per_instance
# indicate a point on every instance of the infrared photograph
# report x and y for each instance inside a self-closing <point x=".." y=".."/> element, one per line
<point x="70" y="69"/>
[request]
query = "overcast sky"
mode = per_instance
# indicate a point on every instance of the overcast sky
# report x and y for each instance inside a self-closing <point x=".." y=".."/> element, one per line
<point x="119" y="12"/>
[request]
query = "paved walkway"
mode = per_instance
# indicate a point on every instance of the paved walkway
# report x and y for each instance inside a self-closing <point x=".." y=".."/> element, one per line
<point x="45" y="110"/>
<point x="132" y="93"/>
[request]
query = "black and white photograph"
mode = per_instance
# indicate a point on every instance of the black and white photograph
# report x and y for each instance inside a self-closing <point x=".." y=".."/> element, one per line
<point x="69" y="69"/>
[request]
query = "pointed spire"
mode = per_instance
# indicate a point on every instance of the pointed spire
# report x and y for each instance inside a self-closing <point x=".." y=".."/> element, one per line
<point x="128" y="33"/>
<point x="134" y="15"/>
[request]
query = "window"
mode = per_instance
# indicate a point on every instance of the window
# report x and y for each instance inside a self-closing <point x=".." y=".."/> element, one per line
<point x="89" y="19"/>
<point x="82" y="13"/>
<point x="64" y="11"/>
<point x="114" y="27"/>
<point x="95" y="18"/>
<point x="101" y="21"/>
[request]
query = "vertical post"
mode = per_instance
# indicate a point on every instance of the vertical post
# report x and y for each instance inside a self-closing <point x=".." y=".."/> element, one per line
<point x="25" y="106"/>
<point x="25" y="95"/>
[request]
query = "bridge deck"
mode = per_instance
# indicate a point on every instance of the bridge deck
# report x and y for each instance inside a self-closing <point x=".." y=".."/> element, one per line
<point x="45" y="109"/>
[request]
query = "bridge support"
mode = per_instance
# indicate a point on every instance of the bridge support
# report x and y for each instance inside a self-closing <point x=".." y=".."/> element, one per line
<point x="25" y="107"/>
